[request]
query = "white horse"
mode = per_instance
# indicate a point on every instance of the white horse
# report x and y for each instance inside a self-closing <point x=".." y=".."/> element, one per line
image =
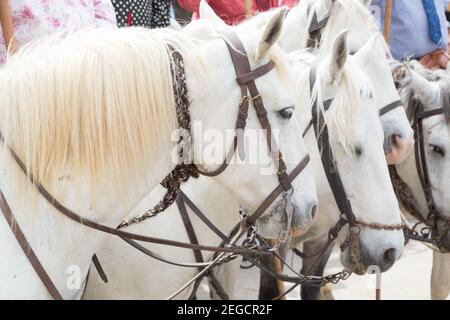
<point x="376" y="204"/>
<point x="432" y="90"/>
<point x="165" y="279"/>
<point x="85" y="115"/>
<point x="353" y="124"/>
<point x="351" y="15"/>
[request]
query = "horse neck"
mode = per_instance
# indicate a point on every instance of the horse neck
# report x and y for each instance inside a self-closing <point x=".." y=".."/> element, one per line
<point x="64" y="247"/>
<point x="297" y="19"/>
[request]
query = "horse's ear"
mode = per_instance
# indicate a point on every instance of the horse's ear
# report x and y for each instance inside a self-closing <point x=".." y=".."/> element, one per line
<point x="271" y="33"/>
<point x="424" y="90"/>
<point x="400" y="73"/>
<point x="207" y="13"/>
<point x="369" y="50"/>
<point x="339" y="55"/>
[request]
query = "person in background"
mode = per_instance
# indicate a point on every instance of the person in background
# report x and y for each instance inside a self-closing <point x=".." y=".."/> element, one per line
<point x="447" y="14"/>
<point x="142" y="13"/>
<point x="25" y="20"/>
<point x="9" y="42"/>
<point x="418" y="30"/>
<point x="233" y="11"/>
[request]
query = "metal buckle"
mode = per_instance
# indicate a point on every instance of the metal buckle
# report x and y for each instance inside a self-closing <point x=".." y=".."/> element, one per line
<point x="243" y="213"/>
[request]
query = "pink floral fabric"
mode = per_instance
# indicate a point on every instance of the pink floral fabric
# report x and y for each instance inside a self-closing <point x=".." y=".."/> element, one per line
<point x="34" y="19"/>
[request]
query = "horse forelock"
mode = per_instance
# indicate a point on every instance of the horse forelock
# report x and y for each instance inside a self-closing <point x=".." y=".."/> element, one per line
<point x="343" y="114"/>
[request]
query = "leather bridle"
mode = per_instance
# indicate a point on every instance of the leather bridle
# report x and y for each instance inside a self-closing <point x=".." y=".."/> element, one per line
<point x="405" y="196"/>
<point x="315" y="29"/>
<point x="246" y="80"/>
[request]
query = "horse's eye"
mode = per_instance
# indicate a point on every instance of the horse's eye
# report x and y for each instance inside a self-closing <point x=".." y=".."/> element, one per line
<point x="358" y="151"/>
<point x="438" y="150"/>
<point x="286" y="113"/>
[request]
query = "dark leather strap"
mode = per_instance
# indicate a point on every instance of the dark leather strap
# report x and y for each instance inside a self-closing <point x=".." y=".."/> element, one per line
<point x="255" y="74"/>
<point x="185" y="200"/>
<point x="244" y="72"/>
<point x="329" y="165"/>
<point x="315" y="29"/>
<point x="99" y="268"/>
<point x="193" y="239"/>
<point x="390" y="107"/>
<point x="189" y="229"/>
<point x="426" y="114"/>
<point x="277" y="191"/>
<point x="27" y="250"/>
<point x="421" y="164"/>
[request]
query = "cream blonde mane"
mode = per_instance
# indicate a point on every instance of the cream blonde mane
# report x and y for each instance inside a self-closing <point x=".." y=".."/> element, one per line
<point x="342" y="116"/>
<point x="97" y="102"/>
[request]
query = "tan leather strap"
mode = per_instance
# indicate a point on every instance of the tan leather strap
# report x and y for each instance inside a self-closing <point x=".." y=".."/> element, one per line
<point x="328" y="162"/>
<point x="27" y="249"/>
<point x="246" y="79"/>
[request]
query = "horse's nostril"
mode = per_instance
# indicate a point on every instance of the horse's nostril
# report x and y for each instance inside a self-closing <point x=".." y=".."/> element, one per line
<point x="395" y="139"/>
<point x="313" y="211"/>
<point x="389" y="257"/>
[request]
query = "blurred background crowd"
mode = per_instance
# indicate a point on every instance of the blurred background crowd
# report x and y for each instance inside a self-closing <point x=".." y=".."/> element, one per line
<point x="419" y="29"/>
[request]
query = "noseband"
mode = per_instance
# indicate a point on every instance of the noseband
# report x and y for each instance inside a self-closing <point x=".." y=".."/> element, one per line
<point x="246" y="79"/>
<point x="335" y="181"/>
<point x="404" y="193"/>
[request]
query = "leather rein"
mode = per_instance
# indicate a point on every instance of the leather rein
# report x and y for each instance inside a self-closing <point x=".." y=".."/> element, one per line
<point x="246" y="79"/>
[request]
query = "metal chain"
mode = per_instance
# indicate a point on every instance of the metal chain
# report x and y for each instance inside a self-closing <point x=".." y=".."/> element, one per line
<point x="183" y="171"/>
<point x="379" y="226"/>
